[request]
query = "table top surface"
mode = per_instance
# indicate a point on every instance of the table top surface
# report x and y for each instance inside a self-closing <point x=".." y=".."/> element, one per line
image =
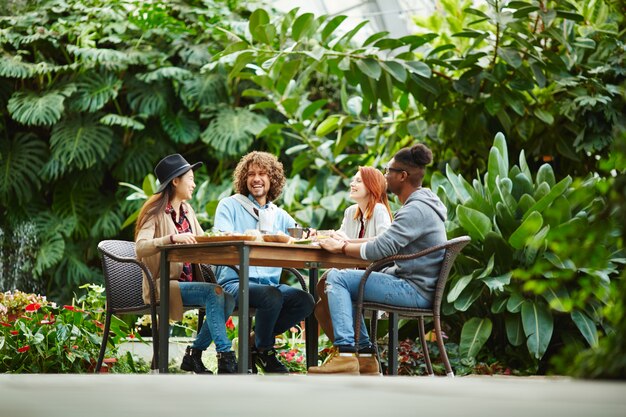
<point x="261" y="254"/>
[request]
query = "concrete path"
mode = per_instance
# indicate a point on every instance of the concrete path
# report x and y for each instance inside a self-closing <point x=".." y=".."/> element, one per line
<point x="300" y="396"/>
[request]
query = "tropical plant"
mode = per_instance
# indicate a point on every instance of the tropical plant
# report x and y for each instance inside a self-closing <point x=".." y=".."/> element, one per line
<point x="521" y="286"/>
<point x="37" y="336"/>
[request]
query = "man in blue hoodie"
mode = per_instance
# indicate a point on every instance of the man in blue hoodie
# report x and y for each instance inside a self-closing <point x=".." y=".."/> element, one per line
<point x="417" y="225"/>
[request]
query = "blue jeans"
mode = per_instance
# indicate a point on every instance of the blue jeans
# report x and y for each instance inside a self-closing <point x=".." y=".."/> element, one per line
<point x="342" y="290"/>
<point x="277" y="309"/>
<point x="218" y="304"/>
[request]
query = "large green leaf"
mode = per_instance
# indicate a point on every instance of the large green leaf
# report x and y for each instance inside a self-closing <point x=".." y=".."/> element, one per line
<point x="458" y="287"/>
<point x="498" y="167"/>
<point x="80" y="141"/>
<point x="149" y="99"/>
<point x="303" y="26"/>
<point x="180" y="126"/>
<point x="474" y="222"/>
<point x="538" y="326"/>
<point x="545" y="201"/>
<point x="203" y="90"/>
<point x="558" y="299"/>
<point x="461" y="187"/>
<point x="232" y="131"/>
<point x="467" y="297"/>
<point x="370" y="67"/>
<point x="514" y="329"/>
<point x="475" y="333"/>
<point x="37" y="109"/>
<point x="586" y="326"/>
<point x="21" y="160"/>
<point x="95" y="90"/>
<point x="529" y="227"/>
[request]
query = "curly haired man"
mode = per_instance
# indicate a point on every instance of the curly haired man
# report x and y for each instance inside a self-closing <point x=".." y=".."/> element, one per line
<point x="258" y="180"/>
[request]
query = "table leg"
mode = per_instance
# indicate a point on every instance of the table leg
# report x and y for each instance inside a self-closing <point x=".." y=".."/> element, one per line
<point x="244" y="303"/>
<point x="310" y="323"/>
<point x="164" y="314"/>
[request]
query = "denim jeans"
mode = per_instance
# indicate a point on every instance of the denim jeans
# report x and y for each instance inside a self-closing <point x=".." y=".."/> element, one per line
<point x="218" y="304"/>
<point x="342" y="289"/>
<point x="277" y="309"/>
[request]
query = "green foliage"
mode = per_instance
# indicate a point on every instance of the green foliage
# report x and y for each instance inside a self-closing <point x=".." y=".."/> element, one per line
<point x="519" y="280"/>
<point x="39" y="337"/>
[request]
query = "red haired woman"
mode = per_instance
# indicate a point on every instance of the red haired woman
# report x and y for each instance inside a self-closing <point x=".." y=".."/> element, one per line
<point x="368" y="218"/>
<point x="371" y="215"/>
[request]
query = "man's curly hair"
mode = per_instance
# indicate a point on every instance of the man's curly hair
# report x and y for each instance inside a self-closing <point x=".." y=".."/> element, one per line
<point x="265" y="161"/>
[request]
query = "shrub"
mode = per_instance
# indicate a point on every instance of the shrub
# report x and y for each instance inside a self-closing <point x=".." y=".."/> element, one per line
<point x="529" y="281"/>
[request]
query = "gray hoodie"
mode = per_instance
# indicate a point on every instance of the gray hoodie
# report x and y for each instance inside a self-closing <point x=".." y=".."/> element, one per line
<point x="417" y="225"/>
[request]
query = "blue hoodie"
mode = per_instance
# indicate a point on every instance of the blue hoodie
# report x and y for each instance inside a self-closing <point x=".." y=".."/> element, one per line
<point x="417" y="225"/>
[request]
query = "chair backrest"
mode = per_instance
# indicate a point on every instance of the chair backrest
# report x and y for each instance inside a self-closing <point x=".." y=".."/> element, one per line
<point x="453" y="247"/>
<point x="122" y="275"/>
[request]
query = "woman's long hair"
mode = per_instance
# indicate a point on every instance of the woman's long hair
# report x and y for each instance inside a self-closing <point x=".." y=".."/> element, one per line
<point x="376" y="185"/>
<point x="154" y="205"/>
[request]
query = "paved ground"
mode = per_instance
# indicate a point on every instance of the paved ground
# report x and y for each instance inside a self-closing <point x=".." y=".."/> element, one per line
<point x="299" y="396"/>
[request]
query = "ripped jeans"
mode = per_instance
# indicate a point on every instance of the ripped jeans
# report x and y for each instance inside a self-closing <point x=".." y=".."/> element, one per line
<point x="219" y="305"/>
<point x="342" y="288"/>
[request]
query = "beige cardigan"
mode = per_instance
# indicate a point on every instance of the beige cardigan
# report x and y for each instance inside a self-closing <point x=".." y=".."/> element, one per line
<point x="156" y="231"/>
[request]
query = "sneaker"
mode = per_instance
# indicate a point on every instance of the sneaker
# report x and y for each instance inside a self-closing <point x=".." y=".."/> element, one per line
<point x="269" y="363"/>
<point x="338" y="363"/>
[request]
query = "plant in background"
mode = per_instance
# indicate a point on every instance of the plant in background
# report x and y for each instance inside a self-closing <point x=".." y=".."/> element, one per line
<point x="518" y="287"/>
<point x="291" y="347"/>
<point x="40" y="337"/>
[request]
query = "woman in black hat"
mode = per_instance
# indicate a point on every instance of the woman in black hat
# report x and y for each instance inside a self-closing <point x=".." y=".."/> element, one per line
<point x="166" y="218"/>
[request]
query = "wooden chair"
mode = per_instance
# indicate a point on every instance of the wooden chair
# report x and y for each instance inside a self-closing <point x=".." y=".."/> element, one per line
<point x="452" y="248"/>
<point x="123" y="284"/>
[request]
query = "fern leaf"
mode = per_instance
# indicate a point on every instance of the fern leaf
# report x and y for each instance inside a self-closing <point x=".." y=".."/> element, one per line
<point x="165" y="73"/>
<point x="232" y="130"/>
<point x="95" y="90"/>
<point x="148" y="99"/>
<point x="80" y="141"/>
<point x="203" y="90"/>
<point x="180" y="126"/>
<point x="123" y="121"/>
<point x="21" y="159"/>
<point x="34" y="109"/>
<point x="14" y="67"/>
<point x="72" y="269"/>
<point x="74" y="201"/>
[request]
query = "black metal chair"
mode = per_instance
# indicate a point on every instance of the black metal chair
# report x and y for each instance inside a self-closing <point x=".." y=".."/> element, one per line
<point x="452" y="248"/>
<point x="123" y="284"/>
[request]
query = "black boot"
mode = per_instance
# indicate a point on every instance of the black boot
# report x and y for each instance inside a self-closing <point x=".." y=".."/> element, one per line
<point x="226" y="363"/>
<point x="192" y="361"/>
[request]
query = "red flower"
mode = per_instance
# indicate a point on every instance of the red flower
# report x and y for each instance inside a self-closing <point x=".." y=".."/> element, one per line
<point x="75" y="347"/>
<point x="229" y="324"/>
<point x="33" y="307"/>
<point x="14" y="332"/>
<point x="98" y="324"/>
<point x="47" y="319"/>
<point x="131" y="335"/>
<point x="70" y="308"/>
<point x="4" y="324"/>
<point x="23" y="349"/>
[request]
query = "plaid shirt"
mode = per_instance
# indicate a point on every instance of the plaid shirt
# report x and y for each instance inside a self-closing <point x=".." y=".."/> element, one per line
<point x="182" y="226"/>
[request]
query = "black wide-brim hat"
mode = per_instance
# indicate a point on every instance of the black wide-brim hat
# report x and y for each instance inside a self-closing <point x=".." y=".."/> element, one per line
<point x="170" y="167"/>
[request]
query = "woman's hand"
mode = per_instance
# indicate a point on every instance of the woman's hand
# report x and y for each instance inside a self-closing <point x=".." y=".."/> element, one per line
<point x="339" y="235"/>
<point x="331" y="245"/>
<point x="184" y="238"/>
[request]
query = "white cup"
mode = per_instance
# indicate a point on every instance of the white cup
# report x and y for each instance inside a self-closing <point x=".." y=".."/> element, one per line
<point x="266" y="221"/>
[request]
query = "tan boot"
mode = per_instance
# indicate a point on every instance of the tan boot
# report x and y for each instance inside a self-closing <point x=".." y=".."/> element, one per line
<point x="339" y="363"/>
<point x="368" y="365"/>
